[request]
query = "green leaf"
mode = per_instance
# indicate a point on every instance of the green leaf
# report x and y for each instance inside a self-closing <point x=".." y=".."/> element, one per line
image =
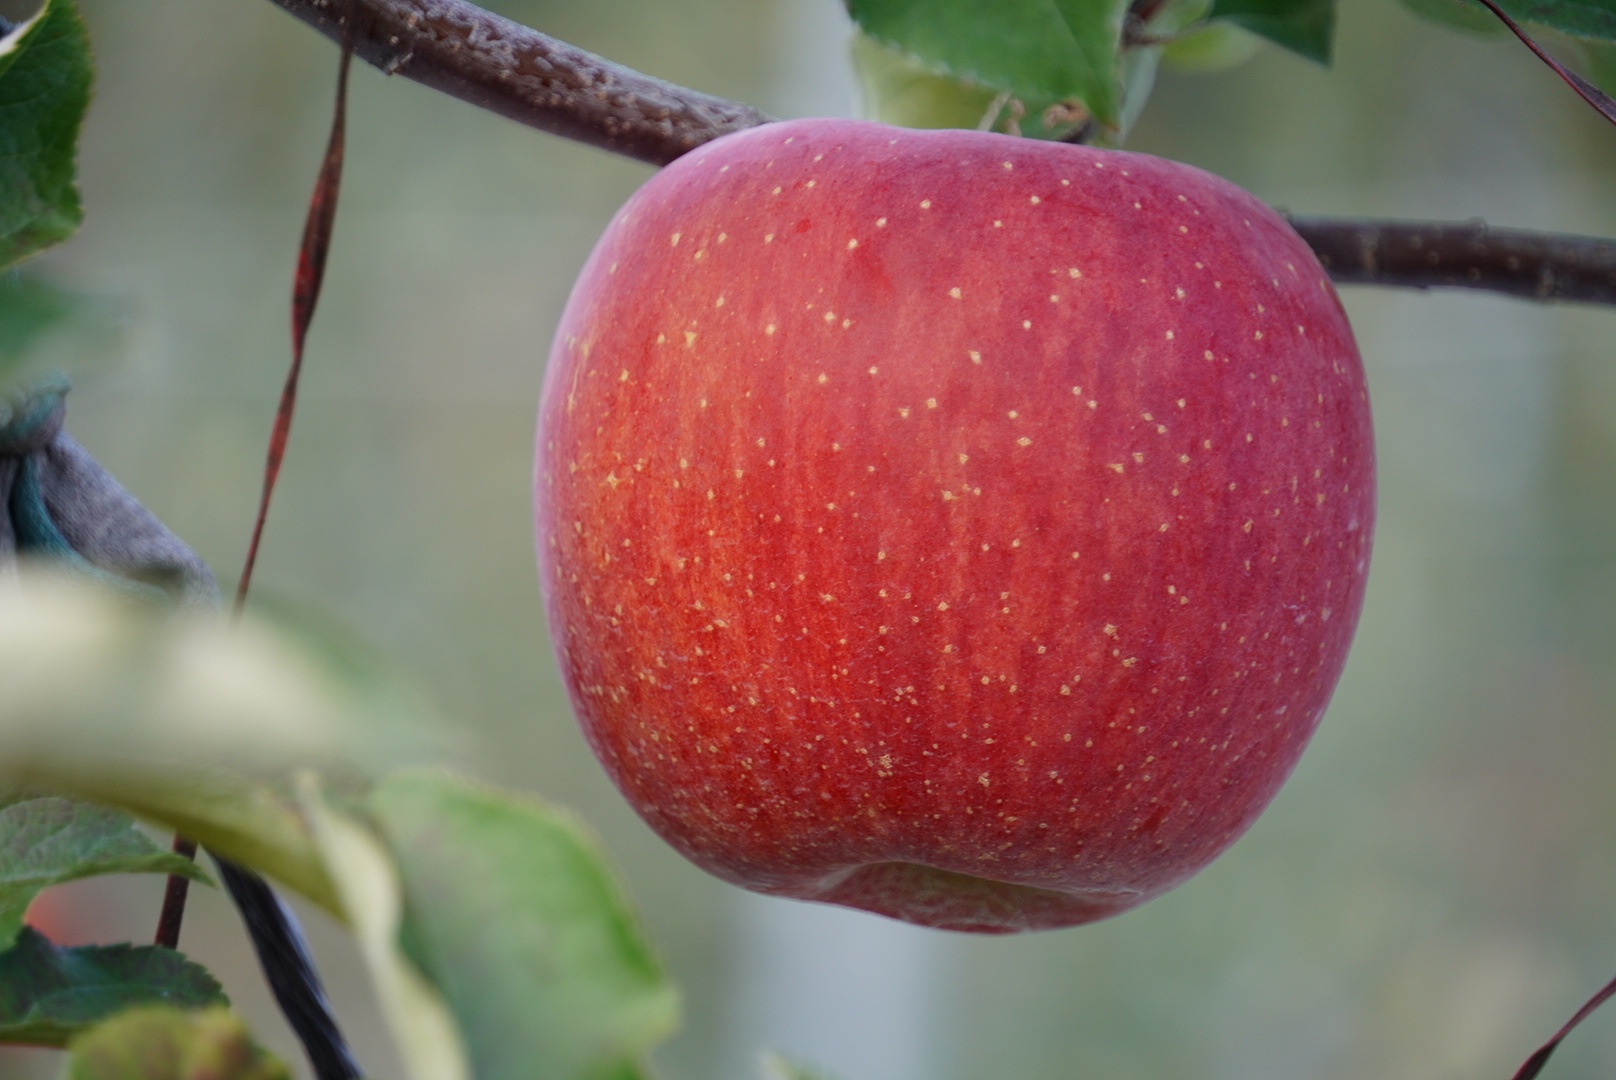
<point x="1599" y="60"/>
<point x="45" y="326"/>
<point x="46" y="840"/>
<point x="372" y="898"/>
<point x="1460" y="15"/>
<point x="182" y="719"/>
<point x="1036" y="50"/>
<point x="1303" y="26"/>
<point x="513" y="913"/>
<point x="778" y="1067"/>
<point x="898" y="89"/>
<point x="48" y="993"/>
<point x="30" y="308"/>
<point x="1211" y="47"/>
<point x="158" y="1043"/>
<point x="45" y="76"/>
<point x="1581" y="18"/>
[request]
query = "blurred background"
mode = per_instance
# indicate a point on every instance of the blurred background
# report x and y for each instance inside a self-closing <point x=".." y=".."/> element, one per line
<point x="1432" y="895"/>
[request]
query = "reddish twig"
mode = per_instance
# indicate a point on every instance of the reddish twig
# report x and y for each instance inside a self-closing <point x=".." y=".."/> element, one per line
<point x="1585" y="89"/>
<point x="305" y="293"/>
<point x="306" y="283"/>
<point x="179" y="887"/>
<point x="1535" y="1063"/>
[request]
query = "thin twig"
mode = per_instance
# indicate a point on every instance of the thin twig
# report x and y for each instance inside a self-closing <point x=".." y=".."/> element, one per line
<point x="1534" y="1064"/>
<point x="459" y="48"/>
<point x="174" y="894"/>
<point x="1585" y="89"/>
<point x="305" y="292"/>
<point x="311" y="258"/>
<point x="277" y="939"/>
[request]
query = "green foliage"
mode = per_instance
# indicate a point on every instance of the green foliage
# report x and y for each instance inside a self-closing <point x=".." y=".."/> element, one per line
<point x="45" y="76"/>
<point x="513" y="914"/>
<point x="1592" y="20"/>
<point x="184" y="720"/>
<point x="907" y="93"/>
<point x="48" y="994"/>
<point x="164" y="1043"/>
<point x="372" y="897"/>
<point x="779" y="1067"/>
<point x="1460" y="15"/>
<point x="1581" y="18"/>
<point x="1599" y="64"/>
<point x="30" y="309"/>
<point x="47" y="840"/>
<point x="1306" y="27"/>
<point x="1210" y="47"/>
<point x="474" y="909"/>
<point x="1039" y="51"/>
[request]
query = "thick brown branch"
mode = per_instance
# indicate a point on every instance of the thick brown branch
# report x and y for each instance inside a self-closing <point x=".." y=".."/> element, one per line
<point x="500" y="65"/>
<point x="1467" y="254"/>
<point x="459" y="48"/>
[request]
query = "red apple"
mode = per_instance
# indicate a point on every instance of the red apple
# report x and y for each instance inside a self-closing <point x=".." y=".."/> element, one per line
<point x="963" y="528"/>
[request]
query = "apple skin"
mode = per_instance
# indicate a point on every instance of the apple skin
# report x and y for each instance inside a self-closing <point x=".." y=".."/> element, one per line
<point x="958" y="527"/>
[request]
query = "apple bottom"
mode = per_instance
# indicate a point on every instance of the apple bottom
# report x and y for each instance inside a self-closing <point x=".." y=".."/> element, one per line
<point x="946" y="900"/>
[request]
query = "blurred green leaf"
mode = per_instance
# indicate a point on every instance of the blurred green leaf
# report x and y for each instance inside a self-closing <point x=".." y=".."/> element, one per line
<point x="1036" y="50"/>
<point x="368" y="884"/>
<point x="47" y="840"/>
<point x="1581" y="18"/>
<point x="1306" y="27"/>
<point x="513" y="913"/>
<point x="45" y="76"/>
<point x="49" y="993"/>
<point x="898" y="89"/>
<point x="1459" y="14"/>
<point x="158" y="1043"/>
<point x="30" y="309"/>
<point x="1599" y="64"/>
<point x="778" y="1067"/>
<point x="1213" y="47"/>
<point x="183" y="719"/>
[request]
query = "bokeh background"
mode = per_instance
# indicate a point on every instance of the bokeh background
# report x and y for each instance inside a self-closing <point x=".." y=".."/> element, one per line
<point x="1429" y="898"/>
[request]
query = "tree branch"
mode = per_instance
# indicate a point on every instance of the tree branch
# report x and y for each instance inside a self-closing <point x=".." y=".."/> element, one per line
<point x="494" y="63"/>
<point x="1467" y="254"/>
<point x="479" y="57"/>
